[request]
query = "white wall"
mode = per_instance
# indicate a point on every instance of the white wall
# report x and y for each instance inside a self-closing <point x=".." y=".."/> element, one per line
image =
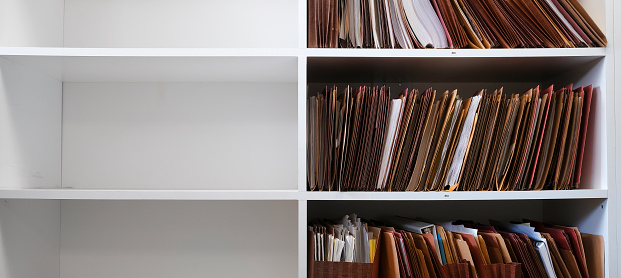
<point x="158" y="239"/>
<point x="29" y="238"/>
<point x="180" y="135"/>
<point x="31" y="23"/>
<point x="181" y="23"/>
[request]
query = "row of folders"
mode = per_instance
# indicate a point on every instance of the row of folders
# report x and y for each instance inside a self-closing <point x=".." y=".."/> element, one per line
<point x="399" y="247"/>
<point x="451" y="24"/>
<point x="360" y="139"/>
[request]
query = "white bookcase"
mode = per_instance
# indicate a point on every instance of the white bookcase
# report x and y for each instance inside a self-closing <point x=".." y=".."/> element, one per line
<point x="166" y="138"/>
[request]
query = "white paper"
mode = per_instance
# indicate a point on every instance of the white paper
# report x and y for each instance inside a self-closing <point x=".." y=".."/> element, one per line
<point x="415" y="226"/>
<point x="462" y="145"/>
<point x="447" y="143"/>
<point x="540" y="243"/>
<point x="396" y="109"/>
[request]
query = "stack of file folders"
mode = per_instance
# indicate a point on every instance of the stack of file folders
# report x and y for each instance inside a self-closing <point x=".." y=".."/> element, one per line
<point x="399" y="247"/>
<point x="450" y="24"/>
<point x="359" y="139"/>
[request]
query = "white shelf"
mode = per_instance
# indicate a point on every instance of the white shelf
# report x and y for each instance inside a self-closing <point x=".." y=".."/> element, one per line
<point x="112" y="194"/>
<point x="280" y="64"/>
<point x="182" y="194"/>
<point x="148" y="52"/>
<point x="461" y="195"/>
<point x="310" y="52"/>
<point x="158" y="64"/>
<point x="445" y="53"/>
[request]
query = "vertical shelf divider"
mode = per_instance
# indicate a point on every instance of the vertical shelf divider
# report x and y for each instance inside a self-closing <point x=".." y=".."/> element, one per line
<point x="302" y="77"/>
<point x="302" y="252"/>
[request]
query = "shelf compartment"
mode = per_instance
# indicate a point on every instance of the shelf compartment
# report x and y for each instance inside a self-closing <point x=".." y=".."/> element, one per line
<point x="470" y="74"/>
<point x="88" y="238"/>
<point x="152" y="122"/>
<point x="589" y="215"/>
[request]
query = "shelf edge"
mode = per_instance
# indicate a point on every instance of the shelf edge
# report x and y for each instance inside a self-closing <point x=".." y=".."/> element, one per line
<point x="148" y="52"/>
<point x="137" y="194"/>
<point x="461" y="196"/>
<point x="457" y="53"/>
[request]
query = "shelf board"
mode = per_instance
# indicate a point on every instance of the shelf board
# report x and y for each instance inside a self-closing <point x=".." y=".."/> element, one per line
<point x="458" y="53"/>
<point x="266" y="65"/>
<point x="280" y="64"/>
<point x="156" y="194"/>
<point x="461" y="196"/>
<point x="121" y="194"/>
<point x="292" y="52"/>
<point x="147" y="52"/>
